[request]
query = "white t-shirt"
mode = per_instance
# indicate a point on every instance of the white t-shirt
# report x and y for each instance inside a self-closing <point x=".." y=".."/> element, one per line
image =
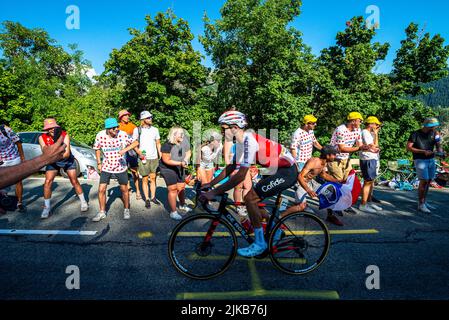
<point x="342" y="135"/>
<point x="148" y="139"/>
<point x="113" y="162"/>
<point x="368" y="138"/>
<point x="302" y="142"/>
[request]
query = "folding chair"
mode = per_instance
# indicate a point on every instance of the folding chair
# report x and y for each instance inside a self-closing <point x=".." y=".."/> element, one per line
<point x="402" y="170"/>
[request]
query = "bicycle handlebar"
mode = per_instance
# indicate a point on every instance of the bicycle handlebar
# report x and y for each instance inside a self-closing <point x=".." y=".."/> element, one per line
<point x="204" y="204"/>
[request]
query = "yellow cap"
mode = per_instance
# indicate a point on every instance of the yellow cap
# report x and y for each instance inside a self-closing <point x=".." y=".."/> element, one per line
<point x="373" y="119"/>
<point x="355" y="116"/>
<point x="310" y="118"/>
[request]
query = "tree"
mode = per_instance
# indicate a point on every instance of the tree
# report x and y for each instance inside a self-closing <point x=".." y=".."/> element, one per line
<point x="158" y="70"/>
<point x="262" y="66"/>
<point x="419" y="60"/>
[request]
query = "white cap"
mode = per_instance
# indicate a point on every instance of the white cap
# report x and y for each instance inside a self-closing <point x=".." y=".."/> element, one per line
<point x="145" y="114"/>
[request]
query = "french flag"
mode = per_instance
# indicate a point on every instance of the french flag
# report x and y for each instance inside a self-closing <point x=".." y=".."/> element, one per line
<point x="339" y="197"/>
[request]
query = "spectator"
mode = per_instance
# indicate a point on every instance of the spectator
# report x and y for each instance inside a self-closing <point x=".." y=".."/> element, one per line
<point x="11" y="154"/>
<point x="422" y="144"/>
<point x="131" y="157"/>
<point x="175" y="158"/>
<point x="53" y="130"/>
<point x="208" y="155"/>
<point x="114" y="144"/>
<point x="369" y="163"/>
<point x="347" y="137"/>
<point x="149" y="152"/>
<point x="304" y="140"/>
<point x="50" y="154"/>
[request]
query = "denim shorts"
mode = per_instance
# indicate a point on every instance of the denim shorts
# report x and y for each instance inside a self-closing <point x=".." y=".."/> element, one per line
<point x="425" y="169"/>
<point x="369" y="169"/>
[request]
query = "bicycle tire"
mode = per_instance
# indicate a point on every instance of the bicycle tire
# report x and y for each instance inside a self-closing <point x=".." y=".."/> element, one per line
<point x="196" y="259"/>
<point x="291" y="253"/>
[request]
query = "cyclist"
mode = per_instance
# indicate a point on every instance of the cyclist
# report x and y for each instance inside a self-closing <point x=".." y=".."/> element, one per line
<point x="252" y="148"/>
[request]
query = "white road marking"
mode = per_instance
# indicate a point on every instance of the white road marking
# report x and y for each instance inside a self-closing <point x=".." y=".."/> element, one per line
<point x="47" y="232"/>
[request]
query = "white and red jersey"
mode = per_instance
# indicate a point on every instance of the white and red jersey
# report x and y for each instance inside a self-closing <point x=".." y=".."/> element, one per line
<point x="113" y="162"/>
<point x="257" y="149"/>
<point x="342" y="135"/>
<point x="8" y="148"/>
<point x="302" y="142"/>
<point x="48" y="139"/>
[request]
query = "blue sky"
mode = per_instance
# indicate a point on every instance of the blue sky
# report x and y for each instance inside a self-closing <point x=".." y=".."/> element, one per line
<point x="104" y="23"/>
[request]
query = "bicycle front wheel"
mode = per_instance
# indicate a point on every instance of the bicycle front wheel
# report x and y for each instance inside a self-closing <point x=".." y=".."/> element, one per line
<point x="299" y="243"/>
<point x="202" y="246"/>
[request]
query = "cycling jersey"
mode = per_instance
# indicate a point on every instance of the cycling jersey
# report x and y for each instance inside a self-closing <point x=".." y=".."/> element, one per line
<point x="257" y="149"/>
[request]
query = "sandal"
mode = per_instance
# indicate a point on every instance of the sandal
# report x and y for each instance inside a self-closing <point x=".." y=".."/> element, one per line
<point x="138" y="197"/>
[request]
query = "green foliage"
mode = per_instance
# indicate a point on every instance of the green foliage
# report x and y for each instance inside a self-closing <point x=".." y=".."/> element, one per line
<point x="262" y="67"/>
<point x="158" y="70"/>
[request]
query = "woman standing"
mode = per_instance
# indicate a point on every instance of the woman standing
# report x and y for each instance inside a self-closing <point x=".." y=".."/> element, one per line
<point x="67" y="164"/>
<point x="209" y="153"/>
<point x="176" y="154"/>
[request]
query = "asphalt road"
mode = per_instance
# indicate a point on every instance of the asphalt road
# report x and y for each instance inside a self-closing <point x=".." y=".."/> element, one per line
<point x="128" y="259"/>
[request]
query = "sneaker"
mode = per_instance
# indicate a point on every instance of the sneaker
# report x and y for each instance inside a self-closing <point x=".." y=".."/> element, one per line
<point x="375" y="206"/>
<point x="252" y="251"/>
<point x="430" y="207"/>
<point x="126" y="214"/>
<point x="351" y="211"/>
<point x="45" y="213"/>
<point x="185" y="208"/>
<point x="175" y="216"/>
<point x="340" y="213"/>
<point x="155" y="201"/>
<point x="148" y="204"/>
<point x="333" y="219"/>
<point x="423" y="208"/>
<point x="366" y="208"/>
<point x="100" y="216"/>
<point x="84" y="206"/>
<point x="241" y="211"/>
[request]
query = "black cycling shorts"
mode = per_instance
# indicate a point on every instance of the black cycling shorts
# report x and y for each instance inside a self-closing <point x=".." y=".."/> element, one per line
<point x="172" y="176"/>
<point x="283" y="179"/>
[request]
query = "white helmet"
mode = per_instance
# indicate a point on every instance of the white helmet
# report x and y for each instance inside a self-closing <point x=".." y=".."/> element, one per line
<point x="233" y="118"/>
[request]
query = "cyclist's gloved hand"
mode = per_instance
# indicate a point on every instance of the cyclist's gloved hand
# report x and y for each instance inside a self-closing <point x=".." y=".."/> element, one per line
<point x="207" y="196"/>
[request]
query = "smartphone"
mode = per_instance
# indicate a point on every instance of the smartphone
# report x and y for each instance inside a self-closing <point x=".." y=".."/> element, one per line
<point x="58" y="132"/>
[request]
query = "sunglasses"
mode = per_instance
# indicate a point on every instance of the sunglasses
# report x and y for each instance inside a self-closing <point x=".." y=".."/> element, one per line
<point x="115" y="128"/>
<point x="311" y="123"/>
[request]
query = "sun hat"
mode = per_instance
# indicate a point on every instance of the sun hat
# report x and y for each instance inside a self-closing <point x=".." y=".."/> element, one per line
<point x="355" y="116"/>
<point x="123" y="113"/>
<point x="431" y="122"/>
<point x="145" y="115"/>
<point x="373" y="119"/>
<point x="110" y="123"/>
<point x="309" y="118"/>
<point x="49" y="124"/>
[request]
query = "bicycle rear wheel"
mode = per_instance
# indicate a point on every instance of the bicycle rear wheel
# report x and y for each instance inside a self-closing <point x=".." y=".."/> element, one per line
<point x="202" y="246"/>
<point x="303" y="245"/>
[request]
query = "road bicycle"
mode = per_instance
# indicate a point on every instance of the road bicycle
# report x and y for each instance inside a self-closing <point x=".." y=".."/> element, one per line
<point x="204" y="246"/>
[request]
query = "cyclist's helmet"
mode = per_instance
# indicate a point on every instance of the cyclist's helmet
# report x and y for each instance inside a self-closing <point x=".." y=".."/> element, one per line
<point x="233" y="118"/>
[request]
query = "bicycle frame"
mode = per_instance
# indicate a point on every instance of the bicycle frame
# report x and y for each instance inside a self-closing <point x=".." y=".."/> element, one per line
<point x="227" y="215"/>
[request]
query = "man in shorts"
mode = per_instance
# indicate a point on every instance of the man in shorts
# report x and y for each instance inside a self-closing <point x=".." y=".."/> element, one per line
<point x="149" y="152"/>
<point x="114" y="144"/>
<point x="422" y="144"/>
